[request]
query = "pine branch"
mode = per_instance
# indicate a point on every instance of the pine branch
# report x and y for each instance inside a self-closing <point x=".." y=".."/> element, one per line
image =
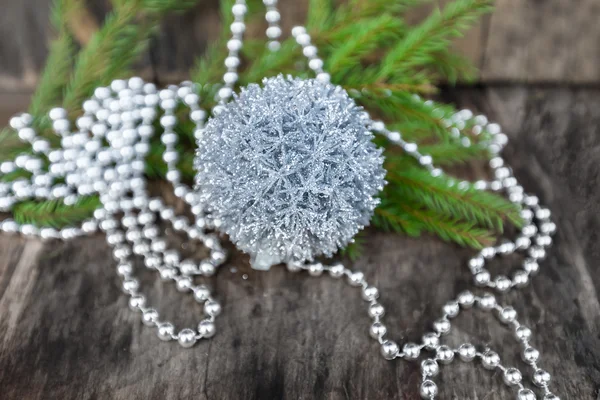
<point x="109" y="54"/>
<point x="452" y="67"/>
<point x="431" y="36"/>
<point x="409" y="219"/>
<point x="474" y="206"/>
<point x="367" y="47"/>
<point x="55" y="76"/>
<point x="319" y="14"/>
<point x="55" y="213"/>
<point x="351" y="45"/>
<point x="119" y="43"/>
<point x="160" y="7"/>
<point x="11" y="146"/>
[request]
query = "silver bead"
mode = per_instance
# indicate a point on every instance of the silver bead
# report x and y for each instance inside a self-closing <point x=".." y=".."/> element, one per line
<point x="548" y="228"/>
<point x="488" y="252"/>
<point x="272" y="16"/>
<point x="530" y="355"/>
<point x="212" y="308"/>
<point x="531" y="266"/>
<point x="356" y="278"/>
<point x="525" y="394"/>
<point x="487" y="301"/>
<point x="507" y="315"/>
<point x="234" y="45"/>
<point x="130" y="285"/>
<point x="523" y="242"/>
<point x="529" y="230"/>
<point x="542" y="213"/>
<point x="273" y="32"/>
<point x="315" y="269"/>
<point x="520" y="279"/>
<point x="467" y="352"/>
<point x="476" y="262"/>
<point x="136" y="302"/>
<point x="316" y="64"/>
<point x="551" y="396"/>
<point x="225" y="93"/>
<point x="337" y="271"/>
<point x="309" y="51"/>
<point x="184" y="284"/>
<point x="503" y="283"/>
<point x="522" y="333"/>
<point x="201" y="293"/>
<point x="206" y="328"/>
<point x="541" y="378"/>
<point x="171" y="257"/>
<point x="543" y="241"/>
<point x="428" y="390"/>
<point x="376" y="310"/>
<point x="298" y="30"/>
<point x="389" y="350"/>
<point x="445" y="354"/>
<point x="303" y="39"/>
<point x="207" y="268"/>
<point x="370" y="293"/>
<point x="186" y="338"/>
<point x="490" y="360"/>
<point x="232" y="62"/>
<point x="238" y="27"/>
<point x="431" y="341"/>
<point x="27" y="134"/>
<point x="167" y="274"/>
<point x="187" y="267"/>
<point x="482" y="278"/>
<point x="512" y="376"/>
<point x="124" y="269"/>
<point x="411" y="351"/>
<point x="239" y="10"/>
<point x="166" y="331"/>
<point x="377" y="330"/>
<point x="537" y="253"/>
<point x="149" y="317"/>
<point x="466" y="299"/>
<point x="430" y="367"/>
<point x="61" y="125"/>
<point x="323" y="77"/>
<point x="16" y="123"/>
<point x="57" y="114"/>
<point x="442" y="326"/>
<point x="451" y="309"/>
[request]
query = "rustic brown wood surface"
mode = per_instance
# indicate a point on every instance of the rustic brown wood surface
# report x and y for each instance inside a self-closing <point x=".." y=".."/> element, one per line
<point x="66" y="331"/>
<point x="522" y="41"/>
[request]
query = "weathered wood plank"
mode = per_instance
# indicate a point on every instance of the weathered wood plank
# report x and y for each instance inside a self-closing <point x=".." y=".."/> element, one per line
<point x="66" y="331"/>
<point x="543" y="41"/>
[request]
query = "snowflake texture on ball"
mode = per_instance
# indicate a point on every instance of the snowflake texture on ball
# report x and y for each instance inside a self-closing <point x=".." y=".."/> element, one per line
<point x="289" y="170"/>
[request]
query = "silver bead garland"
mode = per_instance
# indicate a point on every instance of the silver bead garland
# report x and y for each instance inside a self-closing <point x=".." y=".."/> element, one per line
<point x="122" y="116"/>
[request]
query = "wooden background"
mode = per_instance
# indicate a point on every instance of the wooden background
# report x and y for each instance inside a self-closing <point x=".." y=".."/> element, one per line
<point x="66" y="333"/>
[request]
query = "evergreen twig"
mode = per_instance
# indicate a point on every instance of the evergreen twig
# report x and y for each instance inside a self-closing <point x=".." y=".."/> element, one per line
<point x="368" y="47"/>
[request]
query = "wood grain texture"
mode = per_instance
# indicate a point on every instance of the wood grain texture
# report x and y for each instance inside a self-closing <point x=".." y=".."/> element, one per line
<point x="66" y="331"/>
<point x="522" y="41"/>
<point x="543" y="41"/>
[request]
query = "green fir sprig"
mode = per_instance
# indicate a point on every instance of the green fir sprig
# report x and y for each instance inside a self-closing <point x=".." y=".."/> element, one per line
<point x="368" y="47"/>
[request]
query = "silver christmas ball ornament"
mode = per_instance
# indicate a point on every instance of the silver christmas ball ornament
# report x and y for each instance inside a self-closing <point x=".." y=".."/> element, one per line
<point x="290" y="170"/>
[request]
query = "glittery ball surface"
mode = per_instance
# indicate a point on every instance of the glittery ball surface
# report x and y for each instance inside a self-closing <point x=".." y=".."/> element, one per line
<point x="289" y="170"/>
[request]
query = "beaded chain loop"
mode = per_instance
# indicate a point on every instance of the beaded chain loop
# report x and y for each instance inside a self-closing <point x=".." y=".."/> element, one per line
<point x="105" y="154"/>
